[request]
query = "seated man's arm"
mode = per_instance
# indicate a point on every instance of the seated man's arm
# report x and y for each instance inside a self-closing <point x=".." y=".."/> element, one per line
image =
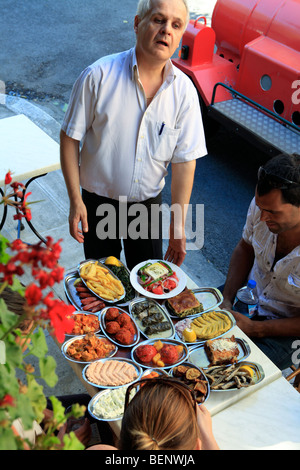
<point x="240" y="265"/>
<point x="261" y="329"/>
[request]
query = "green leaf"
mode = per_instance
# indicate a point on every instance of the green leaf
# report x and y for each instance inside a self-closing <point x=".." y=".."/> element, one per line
<point x="58" y="410"/>
<point x="23" y="409"/>
<point x="38" y="346"/>
<point x="7" y="318"/>
<point x="36" y="396"/>
<point x="8" y="381"/>
<point x="17" y="286"/>
<point x="47" y="370"/>
<point x="13" y="351"/>
<point x="8" y="440"/>
<point x="4" y="243"/>
<point x="71" y="442"/>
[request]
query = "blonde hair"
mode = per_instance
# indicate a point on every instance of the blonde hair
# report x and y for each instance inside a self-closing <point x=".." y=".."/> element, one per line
<point x="161" y="416"/>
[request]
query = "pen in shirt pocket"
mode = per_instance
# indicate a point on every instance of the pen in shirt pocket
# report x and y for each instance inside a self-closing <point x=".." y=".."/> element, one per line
<point x="161" y="129"/>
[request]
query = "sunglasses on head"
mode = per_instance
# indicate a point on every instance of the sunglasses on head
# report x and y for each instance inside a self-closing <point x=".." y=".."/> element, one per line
<point x="278" y="181"/>
<point x="170" y="381"/>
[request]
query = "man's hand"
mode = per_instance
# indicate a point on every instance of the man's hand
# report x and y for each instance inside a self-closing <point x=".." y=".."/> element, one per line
<point x="176" y="251"/>
<point x="243" y="322"/>
<point x="77" y="217"/>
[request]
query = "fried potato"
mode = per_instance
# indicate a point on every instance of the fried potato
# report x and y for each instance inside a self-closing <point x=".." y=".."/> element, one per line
<point x="100" y="280"/>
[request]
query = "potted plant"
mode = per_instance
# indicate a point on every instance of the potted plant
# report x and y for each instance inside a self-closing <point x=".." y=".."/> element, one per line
<point x="25" y="312"/>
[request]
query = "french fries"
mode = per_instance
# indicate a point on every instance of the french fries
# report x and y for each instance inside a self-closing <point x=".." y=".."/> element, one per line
<point x="100" y="280"/>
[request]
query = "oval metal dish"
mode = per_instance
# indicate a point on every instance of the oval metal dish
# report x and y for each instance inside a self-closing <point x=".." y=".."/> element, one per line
<point x="259" y="375"/>
<point x="209" y="297"/>
<point x="98" y="397"/>
<point x="203" y="376"/>
<point x="88" y="261"/>
<point x="148" y="365"/>
<point x="199" y="358"/>
<point x="110" y="336"/>
<point x="167" y="334"/>
<point x="66" y="344"/>
<point x="138" y="369"/>
<point x="202" y="341"/>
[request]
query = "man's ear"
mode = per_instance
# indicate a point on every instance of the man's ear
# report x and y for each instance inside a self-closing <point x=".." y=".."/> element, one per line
<point x="136" y="23"/>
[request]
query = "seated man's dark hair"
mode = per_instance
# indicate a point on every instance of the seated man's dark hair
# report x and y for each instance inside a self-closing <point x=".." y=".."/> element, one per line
<point x="281" y="172"/>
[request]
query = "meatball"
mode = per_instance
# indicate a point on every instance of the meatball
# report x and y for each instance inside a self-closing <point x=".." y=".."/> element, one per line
<point x="146" y="353"/>
<point x="111" y="314"/>
<point x="124" y="336"/>
<point x="112" y="327"/>
<point x="131" y="328"/>
<point x="124" y="319"/>
<point x="169" y="354"/>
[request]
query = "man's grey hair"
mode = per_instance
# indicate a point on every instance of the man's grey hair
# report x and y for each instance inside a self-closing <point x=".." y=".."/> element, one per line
<point x="144" y="6"/>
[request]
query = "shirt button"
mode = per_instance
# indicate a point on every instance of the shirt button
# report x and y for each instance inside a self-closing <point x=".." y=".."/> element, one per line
<point x="139" y="159"/>
<point x="136" y="180"/>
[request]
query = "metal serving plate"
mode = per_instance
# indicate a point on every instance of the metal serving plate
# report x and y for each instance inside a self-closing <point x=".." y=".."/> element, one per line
<point x="88" y="261"/>
<point x="148" y="365"/>
<point x="199" y="358"/>
<point x="203" y="376"/>
<point x="210" y="297"/>
<point x="167" y="334"/>
<point x="259" y="375"/>
<point x="73" y="297"/>
<point x="102" y="395"/>
<point x="67" y="343"/>
<point x="138" y="369"/>
<point x="126" y="303"/>
<point x="158" y="371"/>
<point x="110" y="336"/>
<point x="79" y="312"/>
<point x="197" y="343"/>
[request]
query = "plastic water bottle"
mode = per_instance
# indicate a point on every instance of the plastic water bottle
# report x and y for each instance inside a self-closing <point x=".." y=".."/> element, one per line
<point x="246" y="299"/>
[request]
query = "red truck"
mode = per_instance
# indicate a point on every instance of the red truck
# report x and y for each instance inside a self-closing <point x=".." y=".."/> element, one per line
<point x="246" y="68"/>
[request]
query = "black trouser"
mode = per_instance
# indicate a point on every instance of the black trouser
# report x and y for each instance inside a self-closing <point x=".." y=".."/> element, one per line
<point x="137" y="249"/>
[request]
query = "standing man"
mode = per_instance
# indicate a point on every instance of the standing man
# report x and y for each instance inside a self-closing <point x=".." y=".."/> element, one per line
<point x="269" y="253"/>
<point x="134" y="113"/>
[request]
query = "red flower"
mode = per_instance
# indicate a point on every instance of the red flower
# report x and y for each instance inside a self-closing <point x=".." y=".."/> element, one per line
<point x="7" y="400"/>
<point x="10" y="270"/>
<point x="59" y="315"/>
<point x="33" y="294"/>
<point x="8" y="178"/>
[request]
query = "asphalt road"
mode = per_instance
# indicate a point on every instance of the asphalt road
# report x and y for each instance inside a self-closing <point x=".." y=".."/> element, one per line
<point x="44" y="47"/>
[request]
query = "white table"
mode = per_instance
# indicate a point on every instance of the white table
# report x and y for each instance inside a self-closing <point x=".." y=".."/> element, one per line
<point x="265" y="420"/>
<point x="27" y="151"/>
<point x="263" y="416"/>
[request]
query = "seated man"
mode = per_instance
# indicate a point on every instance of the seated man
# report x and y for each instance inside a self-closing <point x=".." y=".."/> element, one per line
<point x="269" y="253"/>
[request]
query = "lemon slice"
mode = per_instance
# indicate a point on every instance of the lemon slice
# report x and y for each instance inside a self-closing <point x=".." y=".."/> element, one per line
<point x="113" y="261"/>
<point x="247" y="369"/>
<point x="189" y="335"/>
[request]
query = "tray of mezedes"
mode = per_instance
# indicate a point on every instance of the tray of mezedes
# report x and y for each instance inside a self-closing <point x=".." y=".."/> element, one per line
<point x="84" y="300"/>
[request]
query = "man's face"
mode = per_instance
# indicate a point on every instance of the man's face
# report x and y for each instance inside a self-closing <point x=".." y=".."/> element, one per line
<point x="160" y="31"/>
<point x="278" y="215"/>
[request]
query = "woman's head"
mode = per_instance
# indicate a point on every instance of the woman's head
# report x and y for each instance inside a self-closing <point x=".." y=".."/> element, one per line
<point x="161" y="416"/>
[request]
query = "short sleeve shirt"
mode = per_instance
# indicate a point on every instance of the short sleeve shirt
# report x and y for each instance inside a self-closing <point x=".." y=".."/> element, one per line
<point x="278" y="286"/>
<point x="127" y="146"/>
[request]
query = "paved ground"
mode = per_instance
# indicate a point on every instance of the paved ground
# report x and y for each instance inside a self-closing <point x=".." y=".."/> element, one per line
<point x="50" y="216"/>
<point x="46" y="108"/>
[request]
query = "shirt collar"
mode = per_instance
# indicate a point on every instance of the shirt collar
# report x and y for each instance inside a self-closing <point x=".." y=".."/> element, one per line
<point x="169" y="72"/>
